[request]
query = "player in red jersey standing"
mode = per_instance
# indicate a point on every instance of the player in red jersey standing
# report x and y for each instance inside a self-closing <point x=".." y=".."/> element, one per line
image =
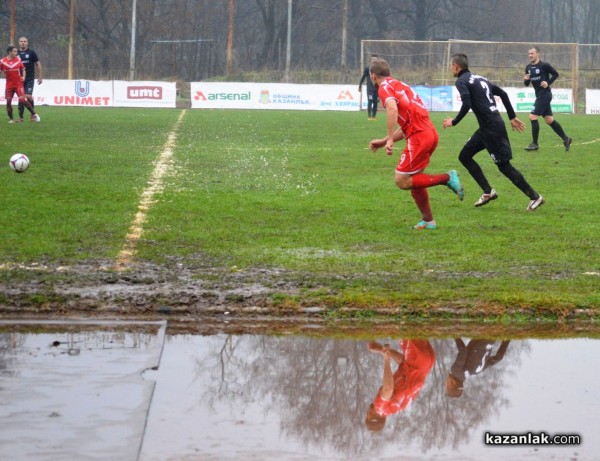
<point x="15" y="73"/>
<point x="407" y="118"/>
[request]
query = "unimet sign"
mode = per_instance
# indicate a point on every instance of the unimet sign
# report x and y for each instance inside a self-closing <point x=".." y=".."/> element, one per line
<point x="106" y="93"/>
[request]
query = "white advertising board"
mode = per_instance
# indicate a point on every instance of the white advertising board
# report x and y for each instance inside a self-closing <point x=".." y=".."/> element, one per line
<point x="74" y="93"/>
<point x="522" y="100"/>
<point x="592" y="102"/>
<point x="105" y="93"/>
<point x="144" y="94"/>
<point x="228" y="95"/>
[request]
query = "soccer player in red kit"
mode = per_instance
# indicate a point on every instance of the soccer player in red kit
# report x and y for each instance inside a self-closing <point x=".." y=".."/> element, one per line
<point x="415" y="359"/>
<point x="407" y="118"/>
<point x="14" y="70"/>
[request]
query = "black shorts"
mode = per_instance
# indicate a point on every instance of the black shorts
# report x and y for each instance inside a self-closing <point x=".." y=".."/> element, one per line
<point x="28" y="86"/>
<point x="541" y="107"/>
<point x="494" y="140"/>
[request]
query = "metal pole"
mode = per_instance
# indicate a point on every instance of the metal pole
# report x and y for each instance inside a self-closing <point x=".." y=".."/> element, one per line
<point x="133" y="28"/>
<point x="71" y="38"/>
<point x="12" y="21"/>
<point x="230" y="37"/>
<point x="362" y="68"/>
<point x="289" y="43"/>
<point x="344" y="33"/>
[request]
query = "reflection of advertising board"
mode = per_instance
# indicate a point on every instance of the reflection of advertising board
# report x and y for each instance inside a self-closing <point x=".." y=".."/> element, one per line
<point x="592" y="102"/>
<point x="235" y="95"/>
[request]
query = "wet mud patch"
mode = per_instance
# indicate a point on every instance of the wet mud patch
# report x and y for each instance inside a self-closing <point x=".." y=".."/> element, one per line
<point x="183" y="293"/>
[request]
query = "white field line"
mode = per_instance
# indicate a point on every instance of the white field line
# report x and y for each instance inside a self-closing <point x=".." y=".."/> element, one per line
<point x="155" y="186"/>
<point x="593" y="141"/>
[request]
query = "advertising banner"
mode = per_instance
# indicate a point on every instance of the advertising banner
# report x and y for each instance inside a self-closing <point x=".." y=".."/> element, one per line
<point x="435" y="98"/>
<point x="74" y="93"/>
<point x="144" y="94"/>
<point x="592" y="102"/>
<point x="228" y="95"/>
<point x="523" y="99"/>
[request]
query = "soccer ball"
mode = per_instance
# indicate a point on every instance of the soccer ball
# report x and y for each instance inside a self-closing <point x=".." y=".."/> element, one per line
<point x="19" y="163"/>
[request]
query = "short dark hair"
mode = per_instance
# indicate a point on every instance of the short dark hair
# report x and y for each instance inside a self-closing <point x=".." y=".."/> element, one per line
<point x="10" y="48"/>
<point x="380" y="67"/>
<point x="461" y="60"/>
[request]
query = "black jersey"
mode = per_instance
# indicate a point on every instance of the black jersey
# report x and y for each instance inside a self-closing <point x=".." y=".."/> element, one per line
<point x="477" y="94"/>
<point x="538" y="73"/>
<point x="367" y="76"/>
<point x="475" y="357"/>
<point x="29" y="58"/>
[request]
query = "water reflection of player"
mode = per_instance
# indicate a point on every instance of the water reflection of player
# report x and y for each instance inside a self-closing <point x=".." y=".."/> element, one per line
<point x="415" y="360"/>
<point x="471" y="360"/>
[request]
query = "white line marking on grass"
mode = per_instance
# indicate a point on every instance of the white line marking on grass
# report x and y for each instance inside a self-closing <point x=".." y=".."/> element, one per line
<point x="593" y="141"/>
<point x="155" y="186"/>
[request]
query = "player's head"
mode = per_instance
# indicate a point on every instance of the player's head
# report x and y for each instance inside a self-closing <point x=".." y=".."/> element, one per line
<point x="374" y="421"/>
<point x="454" y="388"/>
<point x="23" y="43"/>
<point x="534" y="54"/>
<point x="458" y="62"/>
<point x="379" y="70"/>
<point x="380" y="67"/>
<point x="10" y="49"/>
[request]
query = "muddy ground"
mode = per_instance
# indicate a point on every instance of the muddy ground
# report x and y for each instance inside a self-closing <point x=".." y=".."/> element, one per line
<point x="207" y="300"/>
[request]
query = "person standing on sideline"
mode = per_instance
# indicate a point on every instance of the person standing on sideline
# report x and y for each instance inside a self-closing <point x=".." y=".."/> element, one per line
<point x="477" y="94"/>
<point x="32" y="63"/>
<point x="371" y="92"/>
<point x="15" y="73"/>
<point x="407" y="118"/>
<point x="541" y="75"/>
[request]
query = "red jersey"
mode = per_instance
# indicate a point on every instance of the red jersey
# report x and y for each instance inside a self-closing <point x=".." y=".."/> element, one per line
<point x="409" y="378"/>
<point x="412" y="114"/>
<point x="12" y="70"/>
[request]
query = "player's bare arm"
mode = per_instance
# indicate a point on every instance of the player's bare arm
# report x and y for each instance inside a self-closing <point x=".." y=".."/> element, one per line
<point x="517" y="125"/>
<point x="392" y="120"/>
<point x="39" y="72"/>
<point x="377" y="143"/>
<point x="447" y="123"/>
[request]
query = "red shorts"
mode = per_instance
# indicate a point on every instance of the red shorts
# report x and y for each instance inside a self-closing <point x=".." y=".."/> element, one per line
<point x="418" y="150"/>
<point x="12" y="90"/>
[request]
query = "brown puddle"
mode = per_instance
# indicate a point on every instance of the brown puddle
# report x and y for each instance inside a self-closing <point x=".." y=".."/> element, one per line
<point x="134" y="390"/>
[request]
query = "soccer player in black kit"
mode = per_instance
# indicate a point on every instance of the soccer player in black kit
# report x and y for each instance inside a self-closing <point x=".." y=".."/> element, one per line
<point x="541" y="75"/>
<point x="372" y="96"/>
<point x="477" y="94"/>
<point x="31" y="62"/>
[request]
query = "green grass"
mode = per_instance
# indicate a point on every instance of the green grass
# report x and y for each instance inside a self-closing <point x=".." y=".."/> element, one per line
<point x="299" y="192"/>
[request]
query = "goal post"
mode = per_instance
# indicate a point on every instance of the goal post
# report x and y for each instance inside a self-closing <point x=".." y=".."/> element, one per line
<point x="428" y="62"/>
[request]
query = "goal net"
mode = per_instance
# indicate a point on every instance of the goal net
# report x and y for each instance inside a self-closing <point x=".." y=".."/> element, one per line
<point x="503" y="63"/>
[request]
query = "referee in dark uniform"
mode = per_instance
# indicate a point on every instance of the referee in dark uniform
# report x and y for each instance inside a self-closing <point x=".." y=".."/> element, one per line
<point x="371" y="91"/>
<point x="541" y="75"/>
<point x="32" y="63"/>
<point x="477" y="94"/>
